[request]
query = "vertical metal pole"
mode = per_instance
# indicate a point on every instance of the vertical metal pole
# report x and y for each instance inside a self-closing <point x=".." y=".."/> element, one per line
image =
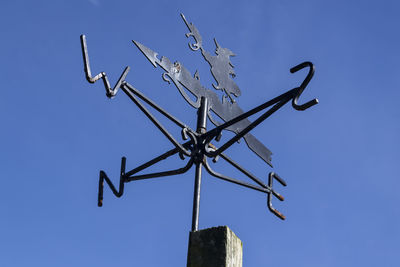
<point x="201" y="128"/>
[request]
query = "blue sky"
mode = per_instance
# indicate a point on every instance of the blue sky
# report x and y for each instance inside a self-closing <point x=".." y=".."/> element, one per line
<point x="339" y="158"/>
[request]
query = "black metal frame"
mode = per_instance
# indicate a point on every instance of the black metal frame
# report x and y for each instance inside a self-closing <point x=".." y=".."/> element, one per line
<point x="199" y="147"/>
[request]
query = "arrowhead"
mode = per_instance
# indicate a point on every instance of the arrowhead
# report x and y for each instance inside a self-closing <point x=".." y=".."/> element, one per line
<point x="148" y="53"/>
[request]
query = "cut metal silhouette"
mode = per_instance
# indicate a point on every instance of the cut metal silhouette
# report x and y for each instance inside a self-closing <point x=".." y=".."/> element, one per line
<point x="199" y="148"/>
<point x="221" y="66"/>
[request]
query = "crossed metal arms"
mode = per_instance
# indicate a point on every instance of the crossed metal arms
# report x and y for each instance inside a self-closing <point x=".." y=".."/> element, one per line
<point x="199" y="147"/>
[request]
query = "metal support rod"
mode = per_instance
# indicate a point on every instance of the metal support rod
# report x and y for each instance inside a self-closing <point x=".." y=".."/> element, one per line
<point x="155" y="160"/>
<point x="161" y="174"/>
<point x="265" y="189"/>
<point x="240" y="168"/>
<point x="153" y="105"/>
<point x="196" y="198"/>
<point x="201" y="128"/>
<point x="155" y="121"/>
<point x="278" y="102"/>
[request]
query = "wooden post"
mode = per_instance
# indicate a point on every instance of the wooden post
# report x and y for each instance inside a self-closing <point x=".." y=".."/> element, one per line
<point x="215" y="247"/>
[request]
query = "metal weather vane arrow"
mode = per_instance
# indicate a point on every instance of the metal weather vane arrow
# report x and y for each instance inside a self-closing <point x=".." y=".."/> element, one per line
<point x="199" y="148"/>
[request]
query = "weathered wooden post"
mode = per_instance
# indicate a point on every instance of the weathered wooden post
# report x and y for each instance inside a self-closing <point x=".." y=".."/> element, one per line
<point x="215" y="247"/>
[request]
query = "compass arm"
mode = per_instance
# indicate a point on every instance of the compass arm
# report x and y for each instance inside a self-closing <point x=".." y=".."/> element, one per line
<point x="153" y="105"/>
<point x="240" y="168"/>
<point x="110" y="92"/>
<point x="163" y="156"/>
<point x="278" y="101"/>
<point x="268" y="189"/>
<point x="127" y="176"/>
<point x="129" y="90"/>
<point x="285" y="96"/>
<point x="161" y="174"/>
<point x="232" y="180"/>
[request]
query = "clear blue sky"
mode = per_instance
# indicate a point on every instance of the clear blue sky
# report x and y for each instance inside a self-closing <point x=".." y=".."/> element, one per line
<point x="339" y="158"/>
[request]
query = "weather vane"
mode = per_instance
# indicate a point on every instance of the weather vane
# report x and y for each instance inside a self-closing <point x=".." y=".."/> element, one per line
<point x="198" y="147"/>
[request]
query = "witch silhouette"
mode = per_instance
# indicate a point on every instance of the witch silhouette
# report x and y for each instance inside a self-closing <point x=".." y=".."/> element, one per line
<point x="222" y="70"/>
